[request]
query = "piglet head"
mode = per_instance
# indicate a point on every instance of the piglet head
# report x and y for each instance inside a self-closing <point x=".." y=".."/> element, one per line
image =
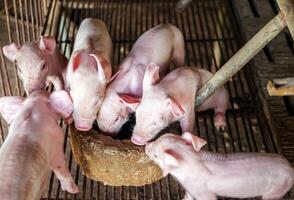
<point x="165" y="152"/>
<point x="171" y="152"/>
<point x="115" y="110"/>
<point x="59" y="102"/>
<point x="151" y="117"/>
<point x="87" y="88"/>
<point x="33" y="61"/>
<point x="156" y="109"/>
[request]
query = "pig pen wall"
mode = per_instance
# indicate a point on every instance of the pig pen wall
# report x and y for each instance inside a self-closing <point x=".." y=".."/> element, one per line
<point x="205" y="23"/>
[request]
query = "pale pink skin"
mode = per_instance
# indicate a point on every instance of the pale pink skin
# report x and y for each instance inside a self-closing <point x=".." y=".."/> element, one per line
<point x="162" y="45"/>
<point x="38" y="63"/>
<point x="34" y="144"/>
<point x="173" y="99"/>
<point x="89" y="71"/>
<point x="205" y="175"/>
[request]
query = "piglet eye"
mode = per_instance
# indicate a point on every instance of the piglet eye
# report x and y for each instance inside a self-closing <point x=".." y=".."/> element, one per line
<point x="155" y="156"/>
<point x="44" y="65"/>
<point x="19" y="70"/>
<point x="116" y="119"/>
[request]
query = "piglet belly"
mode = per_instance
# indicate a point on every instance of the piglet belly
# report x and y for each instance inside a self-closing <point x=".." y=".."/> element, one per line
<point x="23" y="169"/>
<point x="243" y="186"/>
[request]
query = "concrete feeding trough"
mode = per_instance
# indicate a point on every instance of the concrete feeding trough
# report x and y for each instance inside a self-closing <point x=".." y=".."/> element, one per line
<point x="113" y="162"/>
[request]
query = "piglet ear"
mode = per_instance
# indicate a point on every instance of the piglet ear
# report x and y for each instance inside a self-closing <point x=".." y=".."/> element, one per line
<point x="76" y="60"/>
<point x="10" y="51"/>
<point x="100" y="62"/>
<point x="131" y="101"/>
<point x="9" y="106"/>
<point x="151" y="76"/>
<point x="114" y="76"/>
<point x="195" y="141"/>
<point x="47" y="43"/>
<point x="171" y="160"/>
<point x="175" y="107"/>
<point x="61" y="103"/>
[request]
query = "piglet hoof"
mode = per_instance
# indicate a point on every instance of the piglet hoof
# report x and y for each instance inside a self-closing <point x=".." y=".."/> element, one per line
<point x="69" y="185"/>
<point x="219" y="121"/>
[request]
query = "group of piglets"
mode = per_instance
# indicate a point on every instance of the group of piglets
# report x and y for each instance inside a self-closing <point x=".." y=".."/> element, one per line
<point x="88" y="90"/>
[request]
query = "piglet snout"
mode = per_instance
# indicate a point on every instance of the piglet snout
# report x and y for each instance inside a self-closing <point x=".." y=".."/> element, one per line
<point x="139" y="140"/>
<point x="83" y="125"/>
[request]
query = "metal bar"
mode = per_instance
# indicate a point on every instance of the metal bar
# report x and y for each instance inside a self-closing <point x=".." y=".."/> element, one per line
<point x="37" y="18"/>
<point x="27" y="20"/>
<point x="32" y="20"/>
<point x="47" y="16"/>
<point x="2" y="78"/>
<point x="16" y="23"/>
<point x="22" y="21"/>
<point x="18" y="43"/>
<point x="6" y="6"/>
<point x="191" y="36"/>
<point x="61" y="31"/>
<point x="244" y="55"/>
<point x="91" y="189"/>
<point x="51" y="12"/>
<point x="84" y="191"/>
<point x="67" y="48"/>
<point x="56" y="19"/>
<point x="40" y="13"/>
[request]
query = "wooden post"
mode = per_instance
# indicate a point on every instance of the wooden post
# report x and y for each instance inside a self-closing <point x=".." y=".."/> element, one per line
<point x="287" y="6"/>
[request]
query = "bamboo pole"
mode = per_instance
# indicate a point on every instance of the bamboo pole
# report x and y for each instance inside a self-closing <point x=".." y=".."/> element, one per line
<point x="242" y="57"/>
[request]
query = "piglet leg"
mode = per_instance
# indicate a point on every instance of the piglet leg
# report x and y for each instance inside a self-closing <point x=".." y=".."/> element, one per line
<point x="62" y="173"/>
<point x="218" y="101"/>
<point x="188" y="122"/>
<point x="221" y="99"/>
<point x="58" y="82"/>
<point x="179" y="56"/>
<point x="219" y="120"/>
<point x="188" y="196"/>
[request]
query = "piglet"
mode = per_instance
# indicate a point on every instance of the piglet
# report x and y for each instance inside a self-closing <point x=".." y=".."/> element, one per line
<point x="88" y="71"/>
<point x="205" y="175"/>
<point x="38" y="63"/>
<point x="173" y="99"/>
<point x="162" y="44"/>
<point x="34" y="144"/>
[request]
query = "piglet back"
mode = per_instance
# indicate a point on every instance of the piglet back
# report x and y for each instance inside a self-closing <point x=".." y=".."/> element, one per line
<point x="22" y="174"/>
